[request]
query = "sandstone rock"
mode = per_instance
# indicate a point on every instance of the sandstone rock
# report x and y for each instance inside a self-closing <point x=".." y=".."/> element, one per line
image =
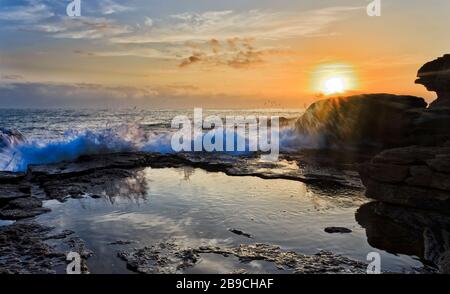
<point x="408" y="155"/>
<point x="389" y="173"/>
<point x="410" y="176"/>
<point x="440" y="163"/>
<point x="11" y="192"/>
<point x="435" y="76"/>
<point x="431" y="127"/>
<point x="16" y="214"/>
<point x="89" y="163"/>
<point x="9" y="177"/>
<point x="170" y="258"/>
<point x="23" y="250"/>
<point x="421" y="175"/>
<point x="363" y="121"/>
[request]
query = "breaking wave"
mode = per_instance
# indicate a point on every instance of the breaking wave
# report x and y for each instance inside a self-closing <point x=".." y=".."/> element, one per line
<point x="16" y="152"/>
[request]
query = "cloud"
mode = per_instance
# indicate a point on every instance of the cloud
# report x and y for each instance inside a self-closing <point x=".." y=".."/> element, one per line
<point x="228" y="34"/>
<point x="108" y="7"/>
<point x="194" y="58"/>
<point x="215" y="45"/>
<point x="263" y="25"/>
<point x="27" y="94"/>
<point x="31" y="11"/>
<point x="37" y="16"/>
<point x="148" y="21"/>
<point x="80" y="28"/>
<point x="240" y="53"/>
<point x="11" y="77"/>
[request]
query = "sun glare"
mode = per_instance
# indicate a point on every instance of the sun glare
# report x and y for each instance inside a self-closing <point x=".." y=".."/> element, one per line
<point x="334" y="86"/>
<point x="334" y="78"/>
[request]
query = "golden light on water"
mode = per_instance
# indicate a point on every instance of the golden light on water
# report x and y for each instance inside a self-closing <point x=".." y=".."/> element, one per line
<point x="331" y="79"/>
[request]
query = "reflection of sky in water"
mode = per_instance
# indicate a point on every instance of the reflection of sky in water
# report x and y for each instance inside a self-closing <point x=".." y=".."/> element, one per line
<point x="5" y="222"/>
<point x="192" y="207"/>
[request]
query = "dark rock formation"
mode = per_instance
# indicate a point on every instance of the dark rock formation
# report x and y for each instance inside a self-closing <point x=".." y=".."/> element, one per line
<point x="432" y="127"/>
<point x="409" y="231"/>
<point x="413" y="176"/>
<point x="23" y="250"/>
<point x="435" y="76"/>
<point x="360" y="122"/>
<point x="169" y="258"/>
<point x="240" y="233"/>
<point x="321" y="263"/>
<point x="337" y="230"/>
<point x="418" y="175"/>
<point x="10" y="178"/>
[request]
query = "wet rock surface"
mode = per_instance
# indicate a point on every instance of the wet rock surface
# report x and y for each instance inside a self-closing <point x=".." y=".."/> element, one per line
<point x="23" y="249"/>
<point x="432" y="127"/>
<point x="337" y="230"/>
<point x="10" y="177"/>
<point x="322" y="262"/>
<point x="164" y="258"/>
<point x="169" y="258"/>
<point x="240" y="233"/>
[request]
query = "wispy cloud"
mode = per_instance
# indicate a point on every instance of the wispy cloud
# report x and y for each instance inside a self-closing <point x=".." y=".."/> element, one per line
<point x="80" y="28"/>
<point x="223" y="38"/>
<point x="227" y="24"/>
<point x="31" y="11"/>
<point x="108" y="7"/>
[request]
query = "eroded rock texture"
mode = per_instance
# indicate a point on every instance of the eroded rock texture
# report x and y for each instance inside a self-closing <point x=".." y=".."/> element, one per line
<point x="414" y="176"/>
<point x="169" y="258"/>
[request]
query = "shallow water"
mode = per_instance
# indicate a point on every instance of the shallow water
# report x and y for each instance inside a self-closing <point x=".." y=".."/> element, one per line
<point x="5" y="222"/>
<point x="192" y="207"/>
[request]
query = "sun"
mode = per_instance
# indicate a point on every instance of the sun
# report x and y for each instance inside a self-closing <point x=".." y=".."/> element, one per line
<point x="334" y="78"/>
<point x="334" y="85"/>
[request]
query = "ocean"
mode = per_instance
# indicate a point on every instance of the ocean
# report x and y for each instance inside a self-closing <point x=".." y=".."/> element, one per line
<point x="55" y="135"/>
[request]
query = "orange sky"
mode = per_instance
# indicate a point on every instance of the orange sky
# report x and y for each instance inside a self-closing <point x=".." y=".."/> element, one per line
<point x="220" y="58"/>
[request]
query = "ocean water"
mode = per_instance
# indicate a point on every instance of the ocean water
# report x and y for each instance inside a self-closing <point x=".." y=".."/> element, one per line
<point x="55" y="135"/>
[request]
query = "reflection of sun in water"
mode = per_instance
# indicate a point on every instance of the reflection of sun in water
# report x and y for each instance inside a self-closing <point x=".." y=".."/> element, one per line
<point x="334" y="85"/>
